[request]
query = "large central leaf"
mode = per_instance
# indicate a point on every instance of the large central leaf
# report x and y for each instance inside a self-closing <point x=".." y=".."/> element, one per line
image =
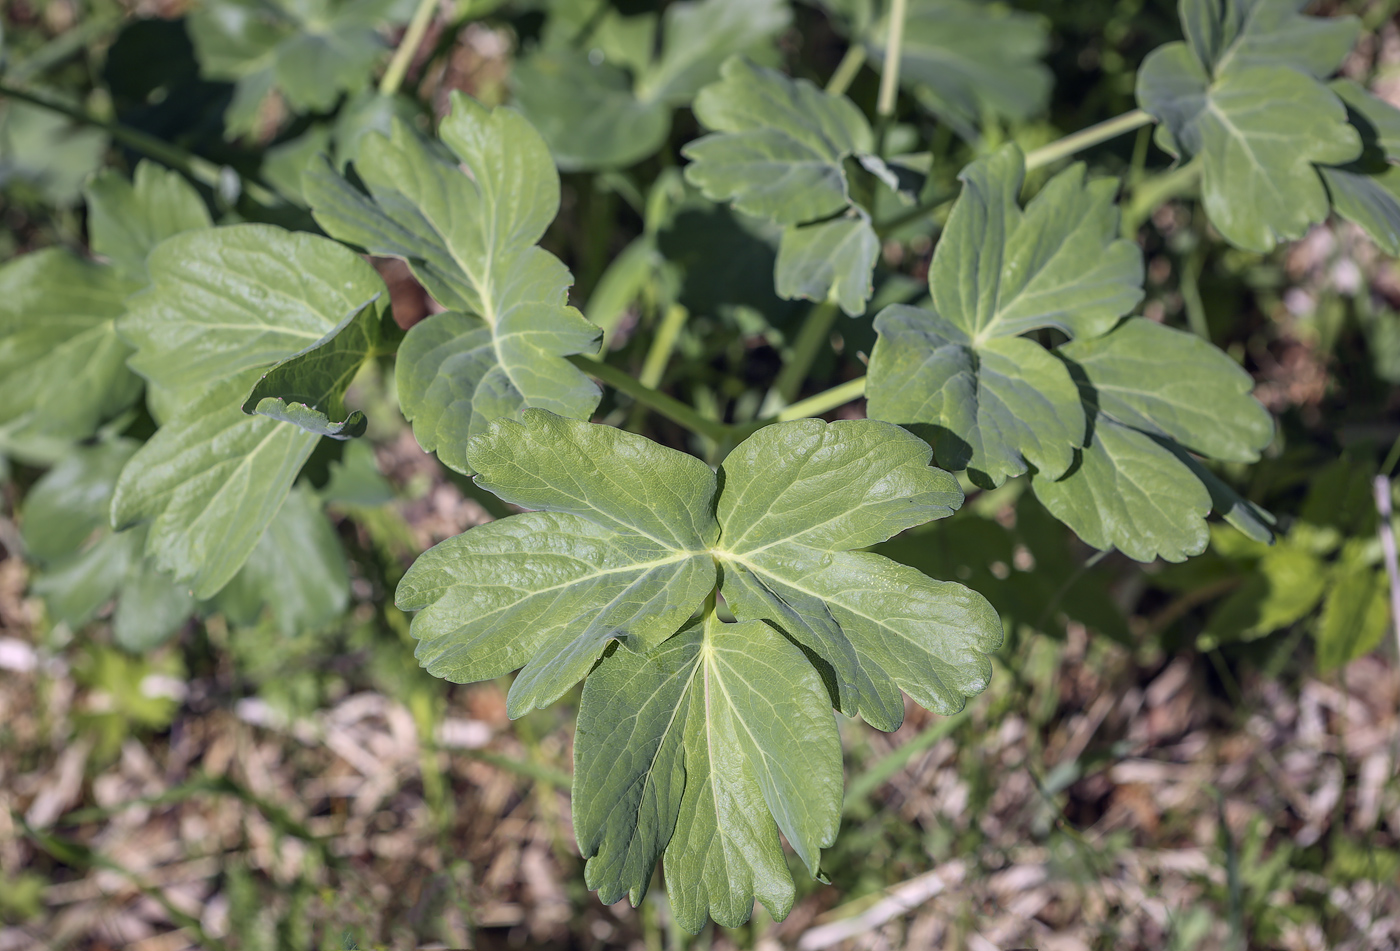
<point x="617" y="549"/>
<point x="705" y="743"/>
<point x="469" y="227"/>
<point x="706" y="748"/>
<point x="1242" y="96"/>
<point x="989" y="400"/>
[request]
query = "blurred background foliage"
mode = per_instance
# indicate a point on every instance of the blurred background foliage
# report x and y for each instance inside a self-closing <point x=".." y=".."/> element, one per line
<point x="1170" y="756"/>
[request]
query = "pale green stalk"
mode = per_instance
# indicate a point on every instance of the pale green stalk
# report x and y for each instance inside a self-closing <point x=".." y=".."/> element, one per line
<point x="816" y="331"/>
<point x="1084" y="138"/>
<point x="662" y="346"/>
<point x="894" y="45"/>
<point x="668" y="406"/>
<point x="825" y="401"/>
<point x="408" y="46"/>
<point x="846" y="70"/>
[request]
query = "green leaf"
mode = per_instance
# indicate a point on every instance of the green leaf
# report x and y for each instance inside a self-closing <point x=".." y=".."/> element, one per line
<point x="776" y="151"/>
<point x="308" y="389"/>
<point x="297" y="571"/>
<point x="1155" y="396"/>
<point x="309" y="52"/>
<point x="1367" y="191"/>
<point x="471" y="238"/>
<point x="968" y="61"/>
<point x="127" y="219"/>
<point x="587" y="112"/>
<point x="1174" y="384"/>
<point x="209" y="482"/>
<point x="989" y="400"/>
<point x="828" y="260"/>
<point x="47" y="152"/>
<point x="1244" y="98"/>
<point x="62" y="365"/>
<point x="618" y="549"/>
<point x="1131" y="493"/>
<point x="706" y="748"/>
<point x="223" y="301"/>
<point x="1355" y="617"/>
<point x="83" y="565"/>
<point x="797" y="498"/>
<point x="1287" y="585"/>
<point x="609" y="105"/>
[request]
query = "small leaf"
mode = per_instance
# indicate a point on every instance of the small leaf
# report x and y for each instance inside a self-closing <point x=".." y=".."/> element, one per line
<point x="776" y="151"/>
<point x="310" y="53"/>
<point x="1288" y="584"/>
<point x="209" y="482"/>
<point x="617" y="550"/>
<point x="966" y="60"/>
<point x="706" y="747"/>
<point x="469" y="231"/>
<point x="609" y="105"/>
<point x="797" y="497"/>
<point x="83" y="564"/>
<point x="1355" y="617"/>
<point x="989" y="400"/>
<point x="127" y="219"/>
<point x="308" y="389"/>
<point x="1244" y="99"/>
<point x="829" y="260"/>
<point x="62" y="365"/>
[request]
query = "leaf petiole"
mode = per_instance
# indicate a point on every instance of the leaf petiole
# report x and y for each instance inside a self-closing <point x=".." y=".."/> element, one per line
<point x="823" y="402"/>
<point x="394" y="74"/>
<point x="668" y="406"/>
<point x="1085" y="138"/>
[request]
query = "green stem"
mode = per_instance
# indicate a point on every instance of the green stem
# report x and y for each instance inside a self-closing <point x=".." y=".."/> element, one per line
<point x="670" y="407"/>
<point x="62" y="46"/>
<point x="1154" y="192"/>
<point x="1084" y="138"/>
<point x="1191" y="292"/>
<point x="662" y="346"/>
<point x="825" y="401"/>
<point x="889" y="75"/>
<point x="846" y="70"/>
<point x="191" y="165"/>
<point x="924" y="210"/>
<point x="408" y="46"/>
<point x="815" y="332"/>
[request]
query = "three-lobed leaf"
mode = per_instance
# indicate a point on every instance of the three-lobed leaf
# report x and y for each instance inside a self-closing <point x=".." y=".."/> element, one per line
<point x="990" y="400"/>
<point x="1243" y="97"/>
<point x="776" y="150"/>
<point x="469" y="226"/>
